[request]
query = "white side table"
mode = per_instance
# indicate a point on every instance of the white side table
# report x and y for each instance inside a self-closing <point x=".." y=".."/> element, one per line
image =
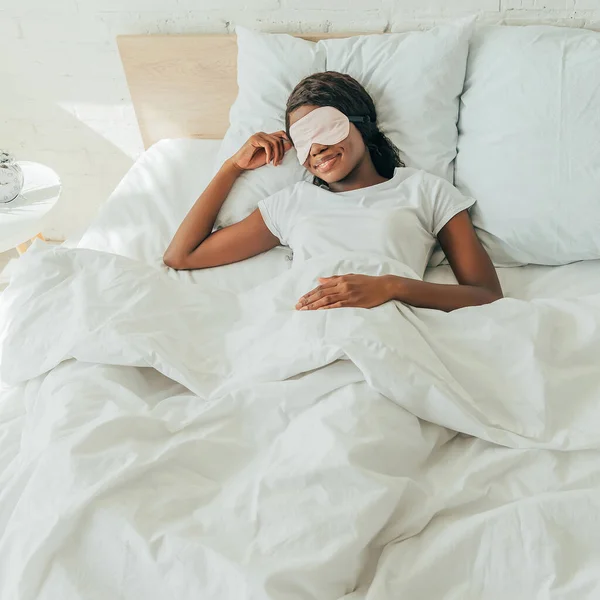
<point x="20" y="219"/>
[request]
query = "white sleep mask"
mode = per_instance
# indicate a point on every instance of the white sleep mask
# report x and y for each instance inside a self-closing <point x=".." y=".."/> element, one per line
<point x="324" y="125"/>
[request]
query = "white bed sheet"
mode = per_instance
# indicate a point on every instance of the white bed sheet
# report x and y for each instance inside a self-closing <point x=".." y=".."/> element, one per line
<point x="143" y="213"/>
<point x="537" y="281"/>
<point x="119" y="480"/>
<point x="255" y="461"/>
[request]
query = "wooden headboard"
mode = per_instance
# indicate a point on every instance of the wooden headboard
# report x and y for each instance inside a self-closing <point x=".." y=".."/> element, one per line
<point x="184" y="85"/>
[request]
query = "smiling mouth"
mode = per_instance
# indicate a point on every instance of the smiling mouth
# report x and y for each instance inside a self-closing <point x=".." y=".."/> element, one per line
<point x="326" y="166"/>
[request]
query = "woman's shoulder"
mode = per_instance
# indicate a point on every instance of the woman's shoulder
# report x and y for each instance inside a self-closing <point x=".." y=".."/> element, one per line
<point x="286" y="191"/>
<point x="296" y="188"/>
<point x="410" y="178"/>
<point x="417" y="174"/>
<point x="306" y="189"/>
<point x="427" y="181"/>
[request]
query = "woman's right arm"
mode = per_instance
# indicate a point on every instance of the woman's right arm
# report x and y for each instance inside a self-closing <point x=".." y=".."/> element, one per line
<point x="194" y="246"/>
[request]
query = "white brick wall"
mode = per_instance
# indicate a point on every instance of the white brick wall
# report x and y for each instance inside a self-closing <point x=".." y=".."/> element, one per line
<point x="64" y="100"/>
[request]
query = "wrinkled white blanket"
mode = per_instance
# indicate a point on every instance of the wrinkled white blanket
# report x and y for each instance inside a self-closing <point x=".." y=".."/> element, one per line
<point x="272" y="453"/>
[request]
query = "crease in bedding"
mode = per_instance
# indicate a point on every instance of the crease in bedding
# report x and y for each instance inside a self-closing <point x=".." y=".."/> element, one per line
<point x="157" y="447"/>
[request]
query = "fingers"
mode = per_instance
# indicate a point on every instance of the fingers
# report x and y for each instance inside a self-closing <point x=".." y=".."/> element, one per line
<point x="340" y="304"/>
<point x="274" y="141"/>
<point x="282" y="135"/>
<point x="279" y="140"/>
<point x="274" y="144"/>
<point x="326" y="301"/>
<point x="287" y="142"/>
<point x="284" y="144"/>
<point x="263" y="142"/>
<point x="316" y="294"/>
<point x="275" y="152"/>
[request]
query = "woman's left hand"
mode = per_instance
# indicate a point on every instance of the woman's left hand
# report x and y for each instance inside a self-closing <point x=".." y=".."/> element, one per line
<point x="361" y="291"/>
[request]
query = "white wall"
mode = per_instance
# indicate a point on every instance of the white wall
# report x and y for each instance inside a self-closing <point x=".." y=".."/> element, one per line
<point x="64" y="100"/>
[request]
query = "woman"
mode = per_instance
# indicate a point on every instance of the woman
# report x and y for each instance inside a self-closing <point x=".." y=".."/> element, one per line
<point x="362" y="198"/>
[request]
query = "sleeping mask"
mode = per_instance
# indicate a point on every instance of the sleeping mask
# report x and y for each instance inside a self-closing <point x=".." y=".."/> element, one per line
<point x="324" y="125"/>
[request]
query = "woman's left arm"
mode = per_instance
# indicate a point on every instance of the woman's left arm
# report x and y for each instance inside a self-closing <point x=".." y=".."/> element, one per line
<point x="477" y="279"/>
<point x="472" y="267"/>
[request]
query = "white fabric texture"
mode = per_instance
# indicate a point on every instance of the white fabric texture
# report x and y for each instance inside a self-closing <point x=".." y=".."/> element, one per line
<point x="529" y="148"/>
<point x="140" y="217"/>
<point x="269" y="66"/>
<point x="398" y="218"/>
<point x="270" y="452"/>
<point x="415" y="79"/>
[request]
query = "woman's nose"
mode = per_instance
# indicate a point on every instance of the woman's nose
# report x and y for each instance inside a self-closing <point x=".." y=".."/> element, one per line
<point x="317" y="148"/>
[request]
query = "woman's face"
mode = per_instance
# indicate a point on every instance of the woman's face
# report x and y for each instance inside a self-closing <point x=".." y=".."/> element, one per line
<point x="348" y="152"/>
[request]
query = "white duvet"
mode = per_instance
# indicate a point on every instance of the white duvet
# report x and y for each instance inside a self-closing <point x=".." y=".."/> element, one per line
<point x="166" y="440"/>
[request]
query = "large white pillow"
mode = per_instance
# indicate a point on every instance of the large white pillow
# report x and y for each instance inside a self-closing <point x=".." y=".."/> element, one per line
<point x="529" y="143"/>
<point x="140" y="217"/>
<point x="415" y="79"/>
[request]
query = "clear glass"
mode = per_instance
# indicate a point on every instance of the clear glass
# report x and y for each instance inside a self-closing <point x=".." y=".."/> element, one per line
<point x="11" y="178"/>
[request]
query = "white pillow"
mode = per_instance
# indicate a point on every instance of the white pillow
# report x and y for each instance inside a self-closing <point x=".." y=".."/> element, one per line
<point x="414" y="78"/>
<point x="140" y="217"/>
<point x="529" y="143"/>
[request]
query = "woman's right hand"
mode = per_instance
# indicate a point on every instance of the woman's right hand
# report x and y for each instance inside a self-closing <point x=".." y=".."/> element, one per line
<point x="260" y="149"/>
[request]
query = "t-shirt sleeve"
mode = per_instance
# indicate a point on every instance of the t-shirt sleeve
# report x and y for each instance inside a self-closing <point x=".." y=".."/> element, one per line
<point x="442" y="201"/>
<point x="279" y="210"/>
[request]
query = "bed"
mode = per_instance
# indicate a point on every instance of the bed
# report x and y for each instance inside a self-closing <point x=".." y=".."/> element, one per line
<point x="154" y="447"/>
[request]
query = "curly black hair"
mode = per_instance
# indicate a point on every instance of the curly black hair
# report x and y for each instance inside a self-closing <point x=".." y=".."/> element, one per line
<point x="340" y="90"/>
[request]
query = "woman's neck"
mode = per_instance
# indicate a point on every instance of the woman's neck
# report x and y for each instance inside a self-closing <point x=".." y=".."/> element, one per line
<point x="363" y="175"/>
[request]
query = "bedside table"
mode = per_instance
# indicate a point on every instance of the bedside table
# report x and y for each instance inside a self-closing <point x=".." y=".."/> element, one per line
<point x="20" y="219"/>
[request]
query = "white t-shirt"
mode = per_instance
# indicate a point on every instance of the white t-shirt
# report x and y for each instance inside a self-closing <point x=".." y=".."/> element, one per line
<point x="398" y="218"/>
